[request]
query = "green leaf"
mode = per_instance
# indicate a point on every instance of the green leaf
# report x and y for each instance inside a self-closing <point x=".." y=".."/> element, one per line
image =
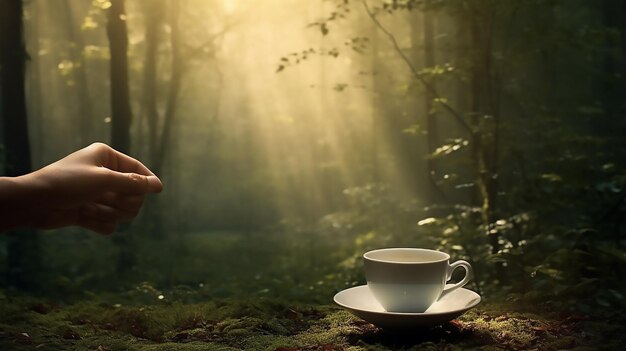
<point x="89" y="23"/>
<point x="413" y="129"/>
<point x="446" y="149"/>
<point x="426" y="221"/>
<point x="552" y="177"/>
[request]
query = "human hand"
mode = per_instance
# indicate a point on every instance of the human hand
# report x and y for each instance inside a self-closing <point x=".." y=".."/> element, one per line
<point x="95" y="188"/>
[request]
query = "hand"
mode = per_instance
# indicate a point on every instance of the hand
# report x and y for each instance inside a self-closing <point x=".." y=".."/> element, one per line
<point x="95" y="188"/>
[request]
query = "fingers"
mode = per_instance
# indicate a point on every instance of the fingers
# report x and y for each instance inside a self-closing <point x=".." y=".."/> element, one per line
<point x="124" y="173"/>
<point x="52" y="219"/>
<point x="155" y="184"/>
<point x="103" y="219"/>
<point x="120" y="162"/>
<point x="113" y="207"/>
<point x="127" y="203"/>
<point x="107" y="213"/>
<point x="97" y="222"/>
<point x="132" y="183"/>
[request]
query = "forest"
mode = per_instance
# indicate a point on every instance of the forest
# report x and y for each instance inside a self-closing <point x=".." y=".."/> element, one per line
<point x="293" y="136"/>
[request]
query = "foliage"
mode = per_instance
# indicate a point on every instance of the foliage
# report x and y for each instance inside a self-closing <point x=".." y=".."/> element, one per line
<point x="552" y="221"/>
<point x="507" y="151"/>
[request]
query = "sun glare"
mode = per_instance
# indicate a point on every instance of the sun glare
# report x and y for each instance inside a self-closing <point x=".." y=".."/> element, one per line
<point x="230" y="6"/>
<point x="307" y="121"/>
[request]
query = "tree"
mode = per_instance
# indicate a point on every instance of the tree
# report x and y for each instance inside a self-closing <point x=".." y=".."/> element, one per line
<point x="179" y="65"/>
<point x="162" y="127"/>
<point x="81" y="86"/>
<point x="485" y="115"/>
<point x="427" y="53"/>
<point x="23" y="246"/>
<point x="121" y="113"/>
<point x="177" y="71"/>
<point x="153" y="21"/>
<point x="35" y="81"/>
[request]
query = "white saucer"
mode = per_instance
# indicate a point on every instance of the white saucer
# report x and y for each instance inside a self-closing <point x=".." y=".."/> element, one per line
<point x="360" y="301"/>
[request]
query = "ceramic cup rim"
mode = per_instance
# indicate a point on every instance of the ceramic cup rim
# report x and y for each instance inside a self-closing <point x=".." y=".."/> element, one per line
<point x="367" y="256"/>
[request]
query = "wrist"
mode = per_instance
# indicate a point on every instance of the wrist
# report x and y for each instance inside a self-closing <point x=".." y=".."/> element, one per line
<point x="17" y="202"/>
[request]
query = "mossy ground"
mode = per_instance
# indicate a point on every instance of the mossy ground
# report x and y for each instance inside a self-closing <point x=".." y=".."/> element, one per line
<point x="28" y="323"/>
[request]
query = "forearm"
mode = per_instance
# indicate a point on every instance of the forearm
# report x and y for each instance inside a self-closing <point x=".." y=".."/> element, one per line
<point x="15" y="196"/>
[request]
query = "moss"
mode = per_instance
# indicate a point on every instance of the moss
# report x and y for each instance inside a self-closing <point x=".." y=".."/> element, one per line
<point x="133" y="321"/>
<point x="192" y="346"/>
<point x="265" y="324"/>
<point x="504" y="329"/>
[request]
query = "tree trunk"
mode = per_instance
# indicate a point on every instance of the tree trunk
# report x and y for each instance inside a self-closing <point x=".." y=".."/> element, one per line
<point x="121" y="114"/>
<point x="36" y="101"/>
<point x="177" y="70"/>
<point x="154" y="18"/>
<point x="161" y="143"/>
<point x="479" y="78"/>
<point x="376" y="107"/>
<point x="23" y="246"/>
<point x="431" y="117"/>
<point x="81" y="88"/>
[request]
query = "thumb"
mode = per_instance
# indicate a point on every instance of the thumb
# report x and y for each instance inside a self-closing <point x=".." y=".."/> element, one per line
<point x="133" y="183"/>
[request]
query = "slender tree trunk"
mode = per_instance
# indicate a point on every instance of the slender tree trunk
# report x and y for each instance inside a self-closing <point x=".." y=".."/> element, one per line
<point x="36" y="111"/>
<point x="154" y="18"/>
<point x="376" y="103"/>
<point x="121" y="114"/>
<point x="162" y="143"/>
<point x="464" y="92"/>
<point x="431" y="117"/>
<point x="177" y="70"/>
<point x="23" y="246"/>
<point x="83" y="99"/>
<point x="479" y="77"/>
<point x="461" y="50"/>
<point x="494" y="89"/>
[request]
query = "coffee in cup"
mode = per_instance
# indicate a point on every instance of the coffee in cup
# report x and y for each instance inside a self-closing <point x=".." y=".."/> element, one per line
<point x="409" y="280"/>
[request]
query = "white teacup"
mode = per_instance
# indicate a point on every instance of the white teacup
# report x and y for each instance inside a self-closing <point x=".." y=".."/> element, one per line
<point x="410" y="280"/>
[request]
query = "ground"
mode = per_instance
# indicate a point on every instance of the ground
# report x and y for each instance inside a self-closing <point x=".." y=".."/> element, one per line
<point x="260" y="301"/>
<point x="28" y="323"/>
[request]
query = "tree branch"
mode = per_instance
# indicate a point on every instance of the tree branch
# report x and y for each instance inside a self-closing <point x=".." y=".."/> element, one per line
<point x="457" y="116"/>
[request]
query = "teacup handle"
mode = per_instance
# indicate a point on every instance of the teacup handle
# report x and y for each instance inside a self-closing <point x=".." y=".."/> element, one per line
<point x="468" y="275"/>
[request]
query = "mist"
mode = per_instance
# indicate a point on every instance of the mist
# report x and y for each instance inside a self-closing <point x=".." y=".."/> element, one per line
<point x="293" y="136"/>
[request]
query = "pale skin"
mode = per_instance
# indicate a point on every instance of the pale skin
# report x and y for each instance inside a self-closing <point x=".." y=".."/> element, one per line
<point x="95" y="188"/>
